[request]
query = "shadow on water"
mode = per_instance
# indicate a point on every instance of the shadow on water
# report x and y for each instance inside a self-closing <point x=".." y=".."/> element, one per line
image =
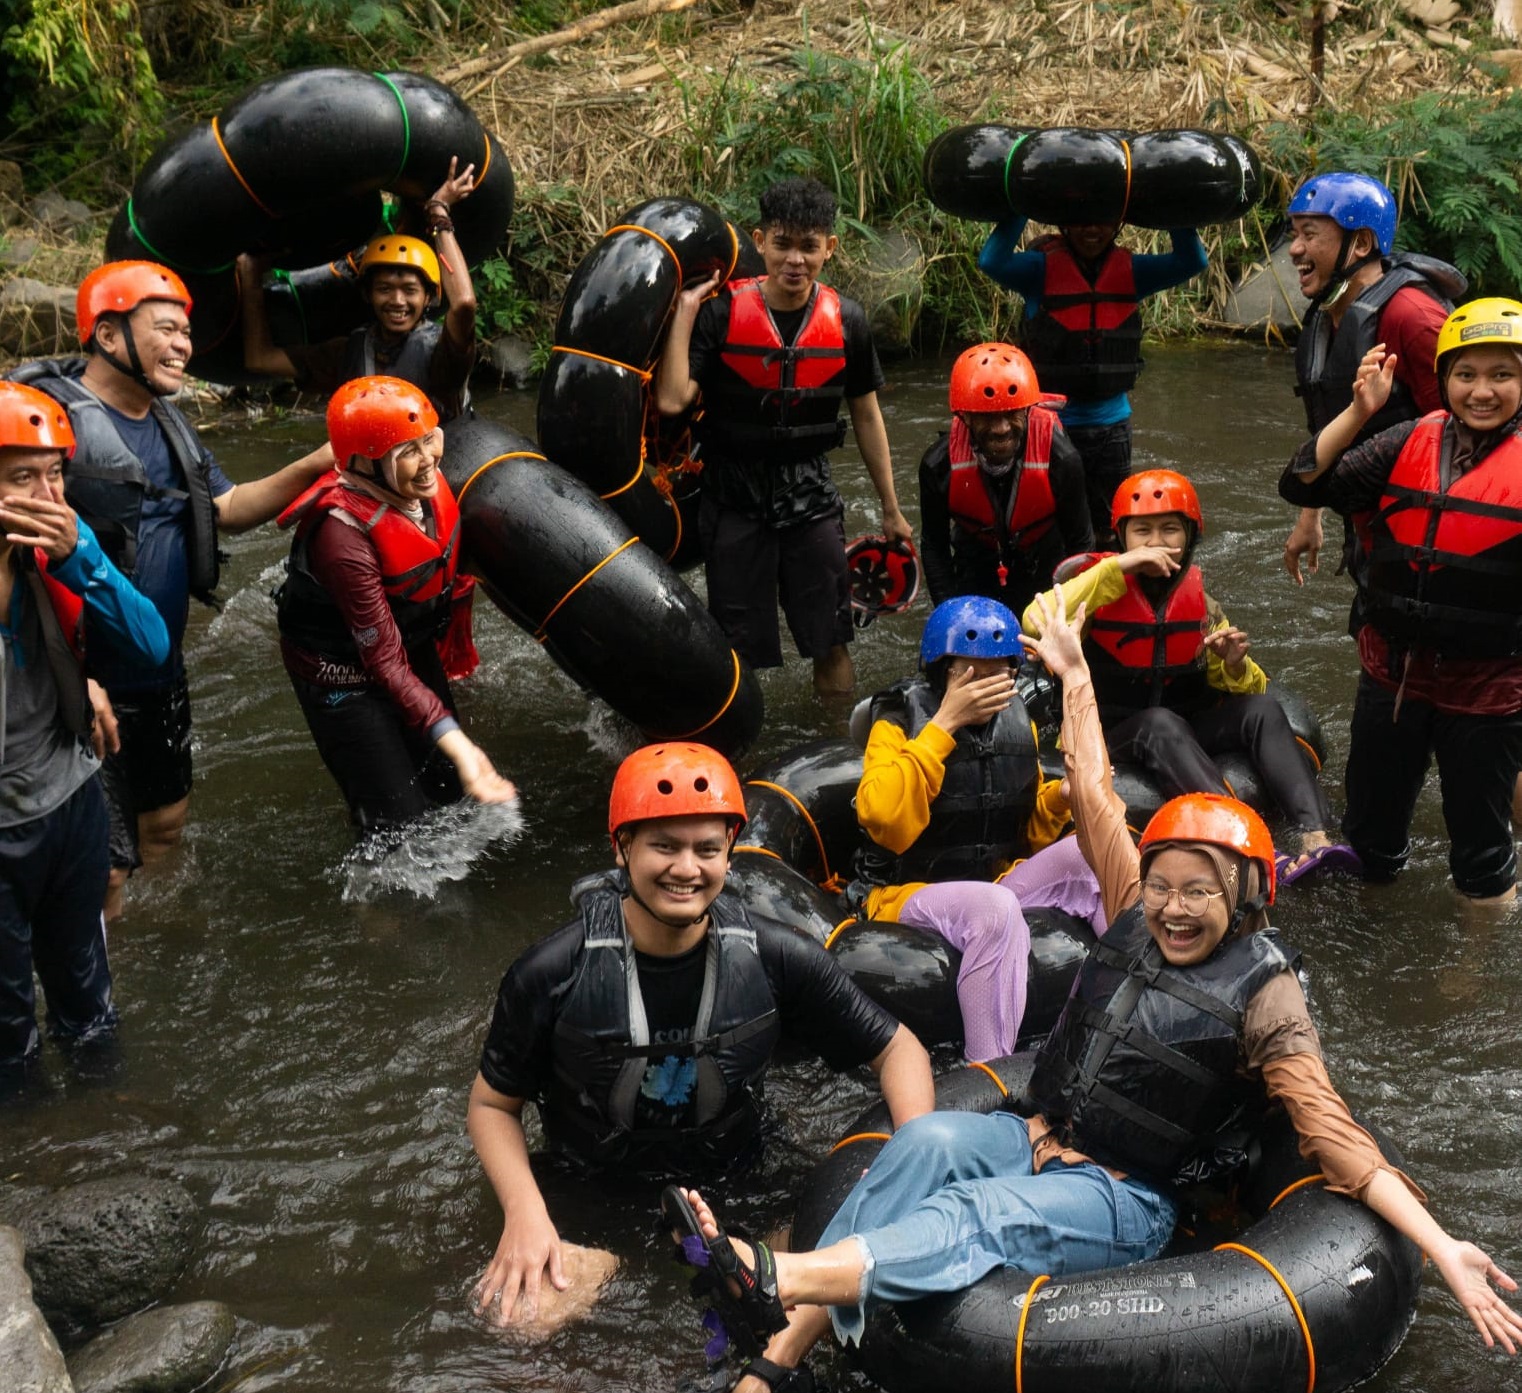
<point x="299" y="1033"/>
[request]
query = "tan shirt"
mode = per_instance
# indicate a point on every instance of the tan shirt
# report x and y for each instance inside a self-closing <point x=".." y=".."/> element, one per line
<point x="1279" y="1043"/>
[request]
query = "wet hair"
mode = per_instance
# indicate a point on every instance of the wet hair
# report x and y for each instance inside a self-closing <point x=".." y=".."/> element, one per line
<point x="798" y="205"/>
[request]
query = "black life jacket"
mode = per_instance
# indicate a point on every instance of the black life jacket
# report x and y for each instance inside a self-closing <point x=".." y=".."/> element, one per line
<point x="1085" y="339"/>
<point x="1445" y="559"/>
<point x="417" y="570"/>
<point x="1142" y="655"/>
<point x="413" y="363"/>
<point x="1326" y="364"/>
<point x="602" y="1045"/>
<point x="1141" y="1070"/>
<point x="978" y="820"/>
<point x="107" y="485"/>
<point x="782" y="397"/>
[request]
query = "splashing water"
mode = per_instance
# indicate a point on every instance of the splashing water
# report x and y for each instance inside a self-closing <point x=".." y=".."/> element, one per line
<point x="439" y="847"/>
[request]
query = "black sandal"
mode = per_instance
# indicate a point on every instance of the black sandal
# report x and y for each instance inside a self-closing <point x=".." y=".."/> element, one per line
<point x="753" y="1315"/>
<point x="778" y="1377"/>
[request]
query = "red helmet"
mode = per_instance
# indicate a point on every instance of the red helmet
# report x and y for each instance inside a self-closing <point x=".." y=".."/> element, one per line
<point x="1156" y="491"/>
<point x="885" y="577"/>
<point x="32" y="420"/>
<point x="674" y="780"/>
<point x="370" y="415"/>
<point x="119" y="287"/>
<point x="1218" y="820"/>
<point x="993" y="377"/>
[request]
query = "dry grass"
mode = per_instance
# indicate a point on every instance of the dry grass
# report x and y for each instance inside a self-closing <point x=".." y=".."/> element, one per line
<point x="602" y="117"/>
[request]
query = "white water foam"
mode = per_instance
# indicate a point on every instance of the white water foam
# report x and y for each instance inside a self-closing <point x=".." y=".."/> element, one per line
<point x="439" y="847"/>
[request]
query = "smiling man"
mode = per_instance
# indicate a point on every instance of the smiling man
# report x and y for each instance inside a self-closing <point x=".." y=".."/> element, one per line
<point x="1362" y="292"/>
<point x="156" y="499"/>
<point x="643" y="1029"/>
<point x="773" y="357"/>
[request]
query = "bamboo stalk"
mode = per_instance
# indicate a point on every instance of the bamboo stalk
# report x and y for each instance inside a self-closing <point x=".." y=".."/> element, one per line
<point x="499" y="62"/>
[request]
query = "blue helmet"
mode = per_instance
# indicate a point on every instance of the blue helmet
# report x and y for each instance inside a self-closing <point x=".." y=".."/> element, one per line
<point x="1351" y="201"/>
<point x="971" y="627"/>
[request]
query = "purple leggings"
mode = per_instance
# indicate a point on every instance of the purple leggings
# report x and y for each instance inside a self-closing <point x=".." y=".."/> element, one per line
<point x="986" y="924"/>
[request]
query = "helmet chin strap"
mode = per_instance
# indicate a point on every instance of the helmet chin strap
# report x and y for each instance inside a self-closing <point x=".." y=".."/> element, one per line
<point x="1344" y="271"/>
<point x="663" y="919"/>
<point x="133" y="367"/>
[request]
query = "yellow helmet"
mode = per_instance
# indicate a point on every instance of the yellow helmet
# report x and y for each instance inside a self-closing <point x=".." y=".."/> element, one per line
<point x="409" y="252"/>
<point x="1480" y="321"/>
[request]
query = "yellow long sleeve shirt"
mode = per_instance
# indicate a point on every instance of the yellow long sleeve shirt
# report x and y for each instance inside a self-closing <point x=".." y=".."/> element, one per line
<point x="1105" y="583"/>
<point x="901" y="777"/>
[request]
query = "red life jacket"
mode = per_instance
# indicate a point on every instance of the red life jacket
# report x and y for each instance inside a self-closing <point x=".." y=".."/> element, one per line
<point x="1085" y="339"/>
<point x="1032" y="507"/>
<point x="1144" y="656"/>
<point x="771" y="392"/>
<point x="1445" y="549"/>
<point x="61" y="615"/>
<point x="416" y="571"/>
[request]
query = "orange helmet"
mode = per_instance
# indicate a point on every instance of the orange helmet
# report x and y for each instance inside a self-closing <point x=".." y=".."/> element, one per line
<point x="993" y="377"/>
<point x="370" y="415"/>
<point x="1156" y="491"/>
<point x="674" y="780"/>
<point x="119" y="287"/>
<point x="410" y="253"/>
<point x="1218" y="820"/>
<point x="32" y="420"/>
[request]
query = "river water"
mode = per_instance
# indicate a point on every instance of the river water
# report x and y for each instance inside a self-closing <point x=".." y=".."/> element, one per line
<point x="298" y="1035"/>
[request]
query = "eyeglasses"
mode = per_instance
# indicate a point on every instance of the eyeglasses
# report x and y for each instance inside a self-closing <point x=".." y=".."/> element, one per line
<point x="1194" y="901"/>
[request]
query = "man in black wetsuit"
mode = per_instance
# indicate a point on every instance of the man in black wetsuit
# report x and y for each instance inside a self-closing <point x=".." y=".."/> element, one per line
<point x="642" y="1029"/>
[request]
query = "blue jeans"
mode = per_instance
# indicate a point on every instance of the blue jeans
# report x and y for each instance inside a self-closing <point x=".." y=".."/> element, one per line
<point x="952" y="1196"/>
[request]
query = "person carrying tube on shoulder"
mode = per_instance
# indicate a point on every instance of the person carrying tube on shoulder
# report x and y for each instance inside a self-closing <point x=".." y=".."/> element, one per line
<point x="1002" y="496"/>
<point x="1361" y="292"/>
<point x="1172" y="675"/>
<point x="649" y="1058"/>
<point x="1441" y="640"/>
<point x="157" y="500"/>
<point x="1083" y="330"/>
<point x="402" y="280"/>
<point x="773" y="358"/>
<point x="1115" y="1125"/>
<point x="62" y="605"/>
<point x="374" y="553"/>
<point x="960" y="832"/>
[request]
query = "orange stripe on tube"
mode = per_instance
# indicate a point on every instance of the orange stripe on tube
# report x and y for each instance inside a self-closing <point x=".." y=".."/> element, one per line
<point x="1025" y="1315"/>
<point x="1294" y="1305"/>
<point x="216" y="131"/>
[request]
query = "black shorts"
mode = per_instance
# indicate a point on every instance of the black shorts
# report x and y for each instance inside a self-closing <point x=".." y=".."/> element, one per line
<point x="389" y="773"/>
<point x="152" y="769"/>
<point x="751" y="565"/>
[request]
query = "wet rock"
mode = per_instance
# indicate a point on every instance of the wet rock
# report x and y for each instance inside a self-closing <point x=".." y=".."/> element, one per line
<point x="36" y="319"/>
<point x="29" y="1355"/>
<point x="103" y="1249"/>
<point x="172" y="1349"/>
<point x="1267" y="295"/>
<point x="12" y="192"/>
<point x="52" y="209"/>
<point x="512" y="357"/>
<point x="17" y="251"/>
<point x="888" y="276"/>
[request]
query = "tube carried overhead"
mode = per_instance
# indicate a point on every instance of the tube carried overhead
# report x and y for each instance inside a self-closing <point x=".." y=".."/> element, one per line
<point x="296" y="169"/>
<point x="597" y="414"/>
<point x="564" y="567"/>
<point x="1071" y="175"/>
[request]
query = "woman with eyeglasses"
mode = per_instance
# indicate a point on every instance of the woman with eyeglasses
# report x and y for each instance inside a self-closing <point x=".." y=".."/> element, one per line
<point x="369" y="595"/>
<point x="1187" y="1020"/>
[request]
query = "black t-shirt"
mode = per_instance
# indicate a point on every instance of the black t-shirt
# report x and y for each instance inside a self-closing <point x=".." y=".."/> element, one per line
<point x="780" y="489"/>
<point x="819" y="1009"/>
